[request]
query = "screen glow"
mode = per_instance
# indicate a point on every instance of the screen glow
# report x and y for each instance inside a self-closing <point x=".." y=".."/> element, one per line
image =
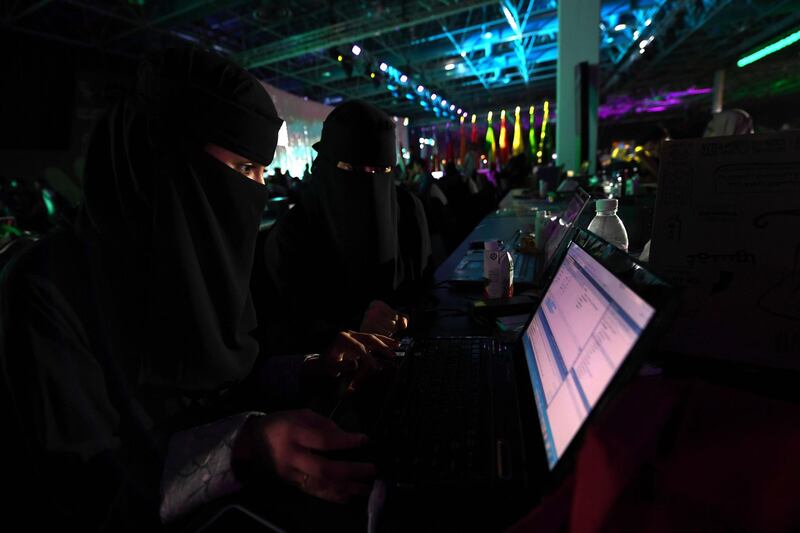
<point x="583" y="331"/>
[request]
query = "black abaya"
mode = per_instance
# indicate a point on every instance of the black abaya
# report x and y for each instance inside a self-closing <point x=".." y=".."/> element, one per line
<point x="350" y="240"/>
<point x="137" y="322"/>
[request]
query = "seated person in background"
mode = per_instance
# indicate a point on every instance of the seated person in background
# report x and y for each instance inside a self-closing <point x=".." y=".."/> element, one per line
<point x="424" y="184"/>
<point x="648" y="158"/>
<point x="127" y="339"/>
<point x="468" y="167"/>
<point x="460" y="207"/>
<point x="729" y="122"/>
<point x="278" y="184"/>
<point x="455" y="184"/>
<point x="353" y="238"/>
<point x="421" y="178"/>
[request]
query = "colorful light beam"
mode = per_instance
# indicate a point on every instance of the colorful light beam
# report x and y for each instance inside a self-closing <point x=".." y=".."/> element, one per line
<point x="769" y="49"/>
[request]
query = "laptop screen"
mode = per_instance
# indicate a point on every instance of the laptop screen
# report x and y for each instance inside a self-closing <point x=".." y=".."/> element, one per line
<point x="583" y="330"/>
<point x="557" y="230"/>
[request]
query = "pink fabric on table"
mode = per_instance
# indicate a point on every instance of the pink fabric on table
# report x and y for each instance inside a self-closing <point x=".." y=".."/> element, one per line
<point x="667" y="456"/>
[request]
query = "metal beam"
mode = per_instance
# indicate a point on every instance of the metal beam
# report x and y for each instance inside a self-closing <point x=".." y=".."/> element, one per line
<point x="481" y="27"/>
<point x="29" y="10"/>
<point x="708" y="15"/>
<point x="188" y="7"/>
<point x="437" y="75"/>
<point x="53" y="37"/>
<point x="347" y="32"/>
<point x="772" y="31"/>
<point x="518" y="42"/>
<point x="467" y="60"/>
<point x="670" y="47"/>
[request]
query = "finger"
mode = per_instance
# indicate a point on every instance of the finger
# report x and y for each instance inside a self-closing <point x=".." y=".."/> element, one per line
<point x="350" y="343"/>
<point x="316" y="438"/>
<point x="319" y="467"/>
<point x="375" y="341"/>
<point x="382" y="328"/>
<point x="348" y="352"/>
<point x="387" y="316"/>
<point x="402" y="322"/>
<point x="381" y="317"/>
<point x="361" y="352"/>
<point x="379" y="327"/>
<point x="336" y="491"/>
<point x="379" y="344"/>
<point x="346" y="362"/>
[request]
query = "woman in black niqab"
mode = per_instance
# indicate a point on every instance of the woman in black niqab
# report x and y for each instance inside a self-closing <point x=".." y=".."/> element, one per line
<point x="353" y="238"/>
<point x="127" y="329"/>
<point x="176" y="227"/>
<point x="354" y="208"/>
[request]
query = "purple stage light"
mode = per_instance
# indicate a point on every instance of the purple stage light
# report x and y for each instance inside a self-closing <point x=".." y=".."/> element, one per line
<point x="657" y="103"/>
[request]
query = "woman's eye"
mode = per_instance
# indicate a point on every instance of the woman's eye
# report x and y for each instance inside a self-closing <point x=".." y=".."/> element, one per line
<point x="246" y="169"/>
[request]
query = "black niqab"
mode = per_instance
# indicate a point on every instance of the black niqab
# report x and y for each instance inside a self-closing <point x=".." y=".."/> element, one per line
<point x="356" y="211"/>
<point x="172" y="229"/>
<point x="353" y="237"/>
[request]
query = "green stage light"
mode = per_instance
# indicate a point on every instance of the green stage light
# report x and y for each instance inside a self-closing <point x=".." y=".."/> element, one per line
<point x="769" y="49"/>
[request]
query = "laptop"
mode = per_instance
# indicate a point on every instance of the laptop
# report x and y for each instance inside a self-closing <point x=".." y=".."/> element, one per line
<point x="529" y="269"/>
<point x="469" y="417"/>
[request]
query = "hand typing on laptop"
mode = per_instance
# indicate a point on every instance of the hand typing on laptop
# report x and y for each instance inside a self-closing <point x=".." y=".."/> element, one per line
<point x="381" y="319"/>
<point x="352" y="355"/>
<point x="291" y="444"/>
<point x="306" y="449"/>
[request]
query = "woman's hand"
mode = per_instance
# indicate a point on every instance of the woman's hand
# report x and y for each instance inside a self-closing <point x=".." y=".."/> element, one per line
<point x="353" y="354"/>
<point x="382" y="320"/>
<point x="288" y="444"/>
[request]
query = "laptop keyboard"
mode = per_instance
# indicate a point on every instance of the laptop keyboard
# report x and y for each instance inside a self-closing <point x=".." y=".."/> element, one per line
<point x="436" y="427"/>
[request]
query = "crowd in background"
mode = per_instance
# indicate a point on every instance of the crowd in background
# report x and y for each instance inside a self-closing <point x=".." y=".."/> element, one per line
<point x="455" y="199"/>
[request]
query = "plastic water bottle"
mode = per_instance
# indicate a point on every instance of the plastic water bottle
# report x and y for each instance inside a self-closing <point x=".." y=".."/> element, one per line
<point x="498" y="269"/>
<point x="607" y="224"/>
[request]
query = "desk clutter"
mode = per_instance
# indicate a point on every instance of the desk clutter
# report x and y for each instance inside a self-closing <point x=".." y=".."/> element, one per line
<point x="729" y="335"/>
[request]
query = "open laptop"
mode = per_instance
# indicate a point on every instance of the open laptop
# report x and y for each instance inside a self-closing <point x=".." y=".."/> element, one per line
<point x="529" y="269"/>
<point x="472" y="413"/>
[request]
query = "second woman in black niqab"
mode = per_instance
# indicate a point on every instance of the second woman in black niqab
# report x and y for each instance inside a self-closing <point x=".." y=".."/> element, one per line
<point x="353" y="238"/>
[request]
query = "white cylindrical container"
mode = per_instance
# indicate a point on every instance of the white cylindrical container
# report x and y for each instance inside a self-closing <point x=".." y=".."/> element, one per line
<point x="498" y="271"/>
<point x="607" y="224"/>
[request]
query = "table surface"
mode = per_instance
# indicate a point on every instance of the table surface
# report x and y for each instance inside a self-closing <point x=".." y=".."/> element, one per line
<point x="514" y="212"/>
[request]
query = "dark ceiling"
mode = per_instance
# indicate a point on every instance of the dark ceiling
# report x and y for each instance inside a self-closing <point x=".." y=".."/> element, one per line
<point x="466" y="52"/>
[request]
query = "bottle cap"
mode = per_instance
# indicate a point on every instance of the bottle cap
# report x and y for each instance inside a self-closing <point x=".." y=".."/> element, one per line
<point x="607" y="204"/>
